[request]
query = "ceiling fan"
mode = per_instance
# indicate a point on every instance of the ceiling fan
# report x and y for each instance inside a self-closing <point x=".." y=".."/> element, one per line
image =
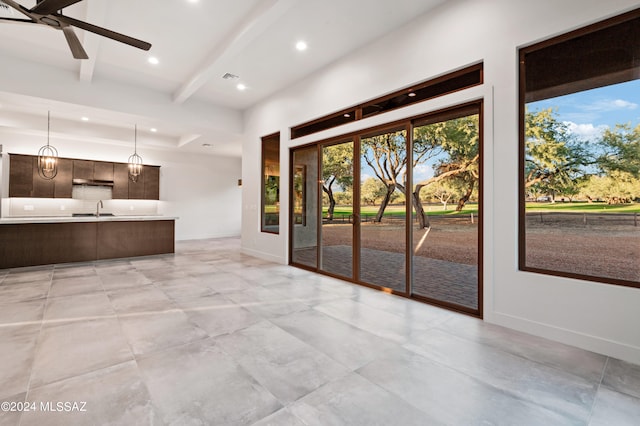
<point x="49" y="12"/>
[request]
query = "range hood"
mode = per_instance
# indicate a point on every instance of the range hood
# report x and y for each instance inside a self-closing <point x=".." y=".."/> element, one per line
<point x="93" y="182"/>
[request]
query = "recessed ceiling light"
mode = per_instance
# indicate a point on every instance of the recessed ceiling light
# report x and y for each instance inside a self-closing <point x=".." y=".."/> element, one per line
<point x="153" y="129"/>
<point x="153" y="60"/>
<point x="347" y="115"/>
<point x="193" y="1"/>
<point x="85" y="118"/>
<point x="301" y="45"/>
<point x="411" y="95"/>
<point x="241" y="87"/>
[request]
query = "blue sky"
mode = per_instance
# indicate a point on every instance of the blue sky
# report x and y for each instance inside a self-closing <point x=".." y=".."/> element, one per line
<point x="590" y="112"/>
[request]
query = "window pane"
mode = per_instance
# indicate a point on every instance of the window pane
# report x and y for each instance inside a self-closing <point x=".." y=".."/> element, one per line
<point x="271" y="184"/>
<point x="446" y="176"/>
<point x="383" y="180"/>
<point x="337" y="209"/>
<point x="304" y="233"/>
<point x="581" y="155"/>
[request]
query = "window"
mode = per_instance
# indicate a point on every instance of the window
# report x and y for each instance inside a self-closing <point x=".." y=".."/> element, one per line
<point x="271" y="184"/>
<point x="449" y="83"/>
<point x="580" y="153"/>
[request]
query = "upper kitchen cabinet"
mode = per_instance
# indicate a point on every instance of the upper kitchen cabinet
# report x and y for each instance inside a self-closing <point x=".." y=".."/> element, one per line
<point x="102" y="171"/>
<point x="20" y="175"/>
<point x="136" y="189"/>
<point x="63" y="180"/>
<point x="151" y="182"/>
<point x="120" y="181"/>
<point x="83" y="169"/>
<point x="42" y="188"/>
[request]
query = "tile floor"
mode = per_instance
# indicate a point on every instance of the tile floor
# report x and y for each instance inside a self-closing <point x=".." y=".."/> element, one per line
<point x="214" y="337"/>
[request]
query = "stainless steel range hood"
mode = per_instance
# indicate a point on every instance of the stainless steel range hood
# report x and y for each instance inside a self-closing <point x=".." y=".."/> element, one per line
<point x="93" y="182"/>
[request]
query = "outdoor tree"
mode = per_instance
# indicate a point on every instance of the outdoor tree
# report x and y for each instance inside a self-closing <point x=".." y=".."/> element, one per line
<point x="456" y="141"/>
<point x="621" y="146"/>
<point x="372" y="190"/>
<point x="554" y="158"/>
<point x="337" y="168"/>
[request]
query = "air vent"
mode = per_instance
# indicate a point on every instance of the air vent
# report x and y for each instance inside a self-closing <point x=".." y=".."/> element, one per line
<point x="229" y="76"/>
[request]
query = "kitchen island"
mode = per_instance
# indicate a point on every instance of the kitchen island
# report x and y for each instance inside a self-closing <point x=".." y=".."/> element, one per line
<point x="47" y="240"/>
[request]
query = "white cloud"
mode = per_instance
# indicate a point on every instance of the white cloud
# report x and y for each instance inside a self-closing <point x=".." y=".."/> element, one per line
<point x="586" y="131"/>
<point x="610" y="105"/>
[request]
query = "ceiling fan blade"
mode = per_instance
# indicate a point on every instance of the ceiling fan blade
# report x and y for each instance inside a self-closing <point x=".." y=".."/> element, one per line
<point x="47" y="7"/>
<point x="104" y="32"/>
<point x="74" y="44"/>
<point x="18" y="20"/>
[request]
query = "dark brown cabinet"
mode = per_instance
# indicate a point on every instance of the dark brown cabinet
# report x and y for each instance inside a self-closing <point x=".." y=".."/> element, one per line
<point x="24" y="180"/>
<point x="136" y="189"/>
<point x="42" y="188"/>
<point x="62" y="182"/>
<point x="83" y="169"/>
<point x="102" y="170"/>
<point x="20" y="175"/>
<point x="120" y="181"/>
<point x="151" y="183"/>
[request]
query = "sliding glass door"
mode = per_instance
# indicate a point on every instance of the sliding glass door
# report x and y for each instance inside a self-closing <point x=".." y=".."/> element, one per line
<point x="383" y="183"/>
<point x="446" y="197"/>
<point x="396" y="208"/>
<point x="336" y="183"/>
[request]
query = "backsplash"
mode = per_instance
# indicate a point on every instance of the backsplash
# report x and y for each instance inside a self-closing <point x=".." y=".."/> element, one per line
<point x="46" y="207"/>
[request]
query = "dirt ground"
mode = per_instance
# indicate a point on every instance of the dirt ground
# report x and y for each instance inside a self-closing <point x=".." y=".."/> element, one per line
<point x="604" y="251"/>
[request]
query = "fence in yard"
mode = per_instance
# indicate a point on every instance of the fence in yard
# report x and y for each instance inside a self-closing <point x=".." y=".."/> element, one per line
<point x="583" y="219"/>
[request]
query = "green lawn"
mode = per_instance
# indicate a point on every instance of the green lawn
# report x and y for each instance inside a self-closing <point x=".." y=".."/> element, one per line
<point x="581" y="207"/>
<point x="400" y="210"/>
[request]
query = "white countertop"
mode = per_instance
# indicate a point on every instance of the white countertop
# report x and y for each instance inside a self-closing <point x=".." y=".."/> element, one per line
<point x="65" y="219"/>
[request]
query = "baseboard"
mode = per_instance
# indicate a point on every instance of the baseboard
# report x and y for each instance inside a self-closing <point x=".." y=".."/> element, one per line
<point x="264" y="256"/>
<point x="588" y="342"/>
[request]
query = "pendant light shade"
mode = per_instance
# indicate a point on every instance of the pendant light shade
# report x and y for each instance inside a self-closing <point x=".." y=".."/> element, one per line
<point x="135" y="161"/>
<point x="48" y="157"/>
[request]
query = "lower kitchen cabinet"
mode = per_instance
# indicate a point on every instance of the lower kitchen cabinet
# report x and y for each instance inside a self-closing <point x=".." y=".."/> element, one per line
<point x="30" y="244"/>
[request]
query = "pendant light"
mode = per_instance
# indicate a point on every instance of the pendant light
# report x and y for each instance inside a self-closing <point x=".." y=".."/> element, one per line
<point x="48" y="157"/>
<point x="135" y="161"/>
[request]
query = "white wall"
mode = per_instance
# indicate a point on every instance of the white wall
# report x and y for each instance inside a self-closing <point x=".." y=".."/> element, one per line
<point x="202" y="190"/>
<point x="594" y="316"/>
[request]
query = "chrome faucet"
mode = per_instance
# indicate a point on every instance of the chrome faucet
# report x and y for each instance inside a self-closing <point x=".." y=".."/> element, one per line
<point x="98" y="208"/>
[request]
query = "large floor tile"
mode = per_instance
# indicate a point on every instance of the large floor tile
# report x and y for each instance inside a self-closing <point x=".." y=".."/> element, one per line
<point x="614" y="408"/>
<point x="74" y="270"/>
<point x="282" y="417"/>
<point x="69" y="349"/>
<point x="183" y="288"/>
<point x="622" y="377"/>
<point x="152" y="332"/>
<point x="217" y="315"/>
<point x="284" y="365"/>
<point x="118" y="280"/>
<point x="75" y="285"/>
<point x="452" y="397"/>
<point x="28" y="275"/>
<point x="23" y="292"/>
<point x="549" y="387"/>
<point x="588" y="365"/>
<point x="355" y="401"/>
<point x="22" y="312"/>
<point x="267" y="303"/>
<point x="350" y="346"/>
<point x="112" y="396"/>
<point x="375" y="321"/>
<point x="224" y="283"/>
<point x="18" y="348"/>
<point x="305" y="292"/>
<point x="85" y="306"/>
<point x="200" y="384"/>
<point x="146" y="298"/>
<point x="12" y="416"/>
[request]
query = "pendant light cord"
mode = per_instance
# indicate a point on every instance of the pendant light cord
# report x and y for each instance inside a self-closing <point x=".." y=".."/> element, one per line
<point x="48" y="125"/>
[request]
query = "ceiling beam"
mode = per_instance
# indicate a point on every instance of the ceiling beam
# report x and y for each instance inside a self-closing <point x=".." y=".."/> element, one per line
<point x="95" y="14"/>
<point x="259" y="19"/>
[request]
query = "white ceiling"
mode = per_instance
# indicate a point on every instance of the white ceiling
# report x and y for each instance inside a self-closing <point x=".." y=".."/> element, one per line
<point x="196" y="43"/>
